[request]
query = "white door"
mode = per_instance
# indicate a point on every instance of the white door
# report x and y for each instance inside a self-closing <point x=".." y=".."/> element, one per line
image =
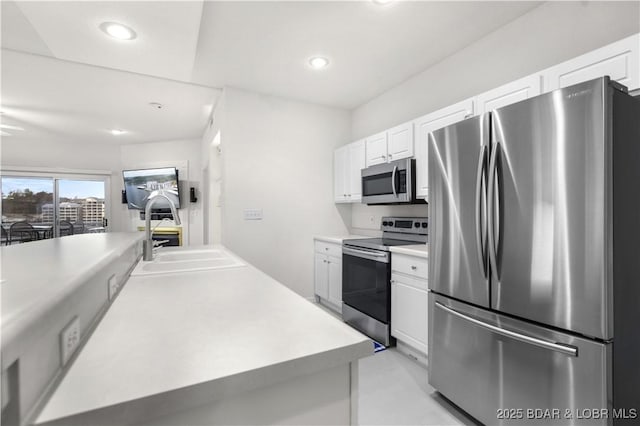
<point x="335" y="280"/>
<point x="409" y="313"/>
<point x="428" y="123"/>
<point x="357" y="162"/>
<point x="376" y="149"/>
<point x="400" y="141"/>
<point x="619" y="60"/>
<point x="340" y="180"/>
<point x="321" y="280"/>
<point x="510" y="93"/>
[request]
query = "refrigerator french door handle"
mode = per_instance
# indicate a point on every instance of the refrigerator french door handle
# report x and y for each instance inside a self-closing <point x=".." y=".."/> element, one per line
<point x="557" y="347"/>
<point x="490" y="209"/>
<point x="481" y="245"/>
<point x="393" y="181"/>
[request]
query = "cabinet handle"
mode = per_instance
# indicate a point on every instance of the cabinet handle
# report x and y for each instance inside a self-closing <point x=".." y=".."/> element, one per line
<point x="413" y="267"/>
<point x="326" y="248"/>
<point x="384" y="156"/>
<point x="328" y="261"/>
<point x="324" y="261"/>
<point x="390" y="155"/>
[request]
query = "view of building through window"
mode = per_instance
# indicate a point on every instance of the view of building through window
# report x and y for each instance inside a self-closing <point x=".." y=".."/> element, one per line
<point x="32" y="200"/>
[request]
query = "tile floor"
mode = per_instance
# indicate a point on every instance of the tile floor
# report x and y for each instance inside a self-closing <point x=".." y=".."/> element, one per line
<point x="393" y="390"/>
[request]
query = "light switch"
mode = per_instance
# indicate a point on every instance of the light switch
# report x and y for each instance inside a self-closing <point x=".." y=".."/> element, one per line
<point x="252" y="214"/>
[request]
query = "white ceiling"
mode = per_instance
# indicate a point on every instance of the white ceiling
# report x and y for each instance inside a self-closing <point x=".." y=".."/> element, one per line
<point x="64" y="79"/>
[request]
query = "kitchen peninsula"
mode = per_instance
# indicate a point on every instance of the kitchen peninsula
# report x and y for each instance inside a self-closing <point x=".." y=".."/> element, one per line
<point x="202" y="347"/>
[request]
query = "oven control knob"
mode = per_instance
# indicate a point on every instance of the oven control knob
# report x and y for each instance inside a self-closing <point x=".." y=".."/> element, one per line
<point x="391" y="223"/>
<point x="417" y="224"/>
<point x="424" y="224"/>
<point x="385" y="223"/>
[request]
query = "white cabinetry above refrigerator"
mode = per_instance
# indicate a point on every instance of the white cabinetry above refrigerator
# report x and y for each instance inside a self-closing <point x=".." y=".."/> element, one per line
<point x="429" y="123"/>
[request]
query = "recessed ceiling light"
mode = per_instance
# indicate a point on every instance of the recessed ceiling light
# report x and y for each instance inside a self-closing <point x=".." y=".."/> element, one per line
<point x="6" y="126"/>
<point x="119" y="31"/>
<point x="118" y="132"/>
<point x="318" y="62"/>
<point x="382" y="2"/>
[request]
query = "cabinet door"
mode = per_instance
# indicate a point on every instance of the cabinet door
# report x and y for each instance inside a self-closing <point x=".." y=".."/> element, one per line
<point x="357" y="162"/>
<point x="510" y="93"/>
<point x="335" y="280"/>
<point x="400" y="142"/>
<point x="428" y="123"/>
<point x="321" y="279"/>
<point x="619" y="60"/>
<point x="376" y="149"/>
<point x="409" y="313"/>
<point x="340" y="180"/>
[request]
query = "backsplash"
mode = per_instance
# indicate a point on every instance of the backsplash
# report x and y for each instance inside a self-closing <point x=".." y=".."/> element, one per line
<point x="365" y="220"/>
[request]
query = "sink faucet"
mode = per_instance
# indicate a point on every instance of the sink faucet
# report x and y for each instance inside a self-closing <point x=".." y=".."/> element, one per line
<point x="147" y="248"/>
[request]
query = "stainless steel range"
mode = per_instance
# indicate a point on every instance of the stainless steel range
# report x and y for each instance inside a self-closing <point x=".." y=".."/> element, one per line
<point x="366" y="275"/>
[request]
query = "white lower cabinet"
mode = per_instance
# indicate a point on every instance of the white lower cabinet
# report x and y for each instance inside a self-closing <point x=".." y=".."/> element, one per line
<point x="328" y="274"/>
<point x="409" y="301"/>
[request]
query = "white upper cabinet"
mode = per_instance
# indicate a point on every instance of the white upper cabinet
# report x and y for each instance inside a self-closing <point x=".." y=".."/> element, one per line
<point x="510" y="93"/>
<point x="376" y="149"/>
<point x="619" y="60"/>
<point x="348" y="161"/>
<point x="340" y="176"/>
<point x="400" y="142"/>
<point x="355" y="165"/>
<point x="428" y="123"/>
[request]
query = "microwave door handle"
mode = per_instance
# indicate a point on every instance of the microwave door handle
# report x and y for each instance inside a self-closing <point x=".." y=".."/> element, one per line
<point x="393" y="181"/>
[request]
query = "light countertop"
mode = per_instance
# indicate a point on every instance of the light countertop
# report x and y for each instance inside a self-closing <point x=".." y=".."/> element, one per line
<point x="220" y="331"/>
<point x="37" y="276"/>
<point x="337" y="239"/>
<point x="418" y="250"/>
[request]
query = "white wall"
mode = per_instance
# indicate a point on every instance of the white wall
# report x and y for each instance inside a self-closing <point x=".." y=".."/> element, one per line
<point x="183" y="154"/>
<point x="277" y="156"/>
<point x="67" y="155"/>
<point x="212" y="175"/>
<point x="547" y="35"/>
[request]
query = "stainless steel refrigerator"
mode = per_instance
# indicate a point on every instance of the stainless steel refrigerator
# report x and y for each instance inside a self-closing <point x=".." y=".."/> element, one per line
<point x="534" y="260"/>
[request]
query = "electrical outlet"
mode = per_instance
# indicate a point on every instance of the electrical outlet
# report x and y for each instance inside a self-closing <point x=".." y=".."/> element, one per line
<point x="69" y="339"/>
<point x="252" y="214"/>
<point x="112" y="286"/>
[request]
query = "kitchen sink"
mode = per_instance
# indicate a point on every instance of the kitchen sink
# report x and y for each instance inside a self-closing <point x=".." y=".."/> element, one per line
<point x="187" y="260"/>
<point x="180" y="256"/>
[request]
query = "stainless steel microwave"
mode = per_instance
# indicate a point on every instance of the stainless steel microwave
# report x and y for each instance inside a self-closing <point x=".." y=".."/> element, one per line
<point x="390" y="183"/>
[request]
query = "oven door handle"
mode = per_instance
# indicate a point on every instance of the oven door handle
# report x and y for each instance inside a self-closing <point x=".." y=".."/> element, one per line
<point x="378" y="257"/>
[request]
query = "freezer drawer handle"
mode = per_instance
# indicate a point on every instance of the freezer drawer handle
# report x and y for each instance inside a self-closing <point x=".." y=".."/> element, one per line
<point x="565" y="349"/>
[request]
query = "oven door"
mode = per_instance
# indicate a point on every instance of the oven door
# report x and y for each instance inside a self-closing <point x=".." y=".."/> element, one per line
<point x="388" y="183"/>
<point x="366" y="285"/>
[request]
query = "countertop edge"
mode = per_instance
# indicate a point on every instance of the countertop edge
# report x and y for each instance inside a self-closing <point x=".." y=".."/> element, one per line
<point x="418" y="250"/>
<point x="15" y="327"/>
<point x="165" y="403"/>
<point x="338" y="239"/>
